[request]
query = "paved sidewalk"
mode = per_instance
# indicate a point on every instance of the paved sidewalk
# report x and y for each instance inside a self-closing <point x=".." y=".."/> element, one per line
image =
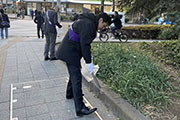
<point x="31" y="88"/>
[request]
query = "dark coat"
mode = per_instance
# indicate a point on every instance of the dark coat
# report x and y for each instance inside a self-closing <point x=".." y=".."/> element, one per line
<point x="71" y="51"/>
<point x="54" y="20"/>
<point x="4" y="18"/>
<point x="117" y="22"/>
<point x="39" y="20"/>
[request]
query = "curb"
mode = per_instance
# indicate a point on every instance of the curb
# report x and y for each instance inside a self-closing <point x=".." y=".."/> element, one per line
<point x="119" y="107"/>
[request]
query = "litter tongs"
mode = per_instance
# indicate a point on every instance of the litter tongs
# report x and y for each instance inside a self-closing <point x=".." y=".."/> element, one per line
<point x="96" y="81"/>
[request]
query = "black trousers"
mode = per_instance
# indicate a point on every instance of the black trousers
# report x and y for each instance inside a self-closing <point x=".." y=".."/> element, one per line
<point x="38" y="32"/>
<point x="74" y="87"/>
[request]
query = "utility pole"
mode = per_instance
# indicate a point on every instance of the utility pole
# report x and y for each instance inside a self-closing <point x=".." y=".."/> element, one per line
<point x="59" y="16"/>
<point x="6" y="3"/>
<point x="59" y="6"/>
<point x="102" y="6"/>
<point x="52" y="3"/>
<point x="113" y="7"/>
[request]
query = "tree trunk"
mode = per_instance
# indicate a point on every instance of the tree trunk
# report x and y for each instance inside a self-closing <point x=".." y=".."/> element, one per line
<point x="59" y="6"/>
<point x="113" y="6"/>
<point x="52" y="3"/>
<point x="102" y="6"/>
<point x="6" y="3"/>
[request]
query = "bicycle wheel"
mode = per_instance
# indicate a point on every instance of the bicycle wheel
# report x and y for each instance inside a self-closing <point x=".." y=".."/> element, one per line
<point x="123" y="38"/>
<point x="103" y="37"/>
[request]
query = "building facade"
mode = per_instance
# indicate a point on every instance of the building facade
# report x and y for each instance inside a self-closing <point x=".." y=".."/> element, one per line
<point x="67" y="6"/>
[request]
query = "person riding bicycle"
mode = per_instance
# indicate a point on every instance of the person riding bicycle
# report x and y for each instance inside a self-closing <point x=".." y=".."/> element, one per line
<point x="117" y="22"/>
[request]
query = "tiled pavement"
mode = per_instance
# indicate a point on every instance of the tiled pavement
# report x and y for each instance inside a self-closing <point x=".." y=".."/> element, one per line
<point x="34" y="89"/>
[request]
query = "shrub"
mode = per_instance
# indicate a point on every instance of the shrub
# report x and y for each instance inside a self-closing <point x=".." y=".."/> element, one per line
<point x="126" y="20"/>
<point x="167" y="52"/>
<point x="173" y="32"/>
<point x="66" y="17"/>
<point x="168" y="34"/>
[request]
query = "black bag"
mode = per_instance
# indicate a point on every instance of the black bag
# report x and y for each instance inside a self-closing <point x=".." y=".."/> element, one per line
<point x="5" y="24"/>
<point x="43" y="27"/>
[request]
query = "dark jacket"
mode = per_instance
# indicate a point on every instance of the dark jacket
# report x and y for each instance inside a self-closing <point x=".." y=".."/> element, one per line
<point x="4" y="18"/>
<point x="117" y="22"/>
<point x="39" y="20"/>
<point x="72" y="51"/>
<point x="54" y="20"/>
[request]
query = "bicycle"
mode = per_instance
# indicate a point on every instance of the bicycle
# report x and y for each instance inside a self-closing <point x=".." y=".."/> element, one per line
<point x="119" y="34"/>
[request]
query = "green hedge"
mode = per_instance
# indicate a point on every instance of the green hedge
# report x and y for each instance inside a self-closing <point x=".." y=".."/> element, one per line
<point x="66" y="17"/>
<point x="146" y="27"/>
<point x="145" y="31"/>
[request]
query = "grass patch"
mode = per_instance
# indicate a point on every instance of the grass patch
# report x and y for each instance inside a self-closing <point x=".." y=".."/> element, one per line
<point x="131" y="74"/>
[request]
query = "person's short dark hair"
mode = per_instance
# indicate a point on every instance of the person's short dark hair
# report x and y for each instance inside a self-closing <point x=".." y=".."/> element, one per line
<point x="120" y="16"/>
<point x="105" y="17"/>
<point x="2" y="11"/>
<point x="39" y="12"/>
<point x="75" y="17"/>
<point x="116" y="12"/>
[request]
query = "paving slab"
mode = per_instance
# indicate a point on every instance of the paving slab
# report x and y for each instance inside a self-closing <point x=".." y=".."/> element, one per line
<point x="42" y="100"/>
<point x="34" y="89"/>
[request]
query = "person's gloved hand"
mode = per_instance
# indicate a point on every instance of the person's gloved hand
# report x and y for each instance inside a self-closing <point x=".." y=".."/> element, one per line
<point x="90" y="67"/>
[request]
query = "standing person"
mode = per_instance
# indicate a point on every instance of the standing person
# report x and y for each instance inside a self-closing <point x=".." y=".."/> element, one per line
<point x="35" y="12"/>
<point x="22" y="13"/>
<point x="51" y="21"/>
<point x="4" y="19"/>
<point x="39" y="20"/>
<point x="32" y="14"/>
<point x="42" y="12"/>
<point x="75" y="45"/>
<point x="17" y="13"/>
<point x="117" y="22"/>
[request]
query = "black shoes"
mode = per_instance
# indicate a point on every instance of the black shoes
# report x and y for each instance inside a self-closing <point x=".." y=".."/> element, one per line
<point x="46" y="58"/>
<point x="54" y="58"/>
<point x="69" y="97"/>
<point x="85" y="111"/>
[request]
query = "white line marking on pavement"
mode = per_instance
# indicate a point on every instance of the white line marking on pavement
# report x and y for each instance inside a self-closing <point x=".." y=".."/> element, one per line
<point x="11" y="103"/>
<point x="15" y="100"/>
<point x="15" y="118"/>
<point x="28" y="86"/>
<point x="11" y="99"/>
<point x="14" y="88"/>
